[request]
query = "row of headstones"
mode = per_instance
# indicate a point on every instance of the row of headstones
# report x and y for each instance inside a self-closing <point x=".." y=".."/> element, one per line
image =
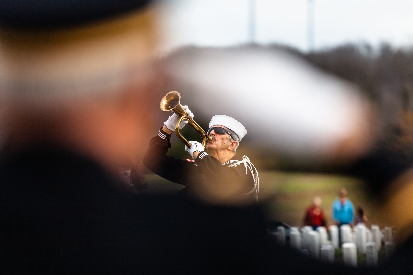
<point x="358" y="240"/>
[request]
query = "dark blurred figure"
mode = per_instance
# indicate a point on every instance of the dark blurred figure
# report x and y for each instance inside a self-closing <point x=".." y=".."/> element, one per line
<point x="314" y="214"/>
<point x="76" y="80"/>
<point x="387" y="171"/>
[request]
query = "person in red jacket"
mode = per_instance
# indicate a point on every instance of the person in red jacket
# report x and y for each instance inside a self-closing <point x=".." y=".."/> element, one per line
<point x="314" y="215"/>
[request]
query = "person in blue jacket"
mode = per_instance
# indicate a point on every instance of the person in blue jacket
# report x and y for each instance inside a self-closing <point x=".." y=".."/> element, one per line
<point x="343" y="210"/>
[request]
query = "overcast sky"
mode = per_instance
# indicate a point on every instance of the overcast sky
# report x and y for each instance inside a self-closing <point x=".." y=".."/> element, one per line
<point x="335" y="22"/>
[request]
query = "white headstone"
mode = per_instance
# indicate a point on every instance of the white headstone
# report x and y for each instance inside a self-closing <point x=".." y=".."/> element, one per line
<point x="314" y="244"/>
<point x="361" y="238"/>
<point x="388" y="249"/>
<point x="305" y="238"/>
<point x="388" y="236"/>
<point x="295" y="239"/>
<point x="323" y="235"/>
<point x="294" y="228"/>
<point x="333" y="230"/>
<point x="371" y="254"/>
<point x="306" y="228"/>
<point x="327" y="253"/>
<point x="350" y="254"/>
<point x="376" y="234"/>
<point x="356" y="235"/>
<point x="346" y="234"/>
<point x="355" y="229"/>
<point x="281" y="235"/>
<point x="369" y="236"/>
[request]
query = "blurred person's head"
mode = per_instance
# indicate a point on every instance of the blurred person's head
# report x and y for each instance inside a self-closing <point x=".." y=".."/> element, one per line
<point x="342" y="194"/>
<point x="77" y="74"/>
<point x="317" y="201"/>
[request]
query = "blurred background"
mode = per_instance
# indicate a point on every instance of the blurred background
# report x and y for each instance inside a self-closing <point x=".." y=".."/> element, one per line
<point x="306" y="25"/>
<point x="359" y="51"/>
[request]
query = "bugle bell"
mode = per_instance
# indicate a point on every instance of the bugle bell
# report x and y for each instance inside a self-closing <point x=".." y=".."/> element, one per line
<point x="171" y="102"/>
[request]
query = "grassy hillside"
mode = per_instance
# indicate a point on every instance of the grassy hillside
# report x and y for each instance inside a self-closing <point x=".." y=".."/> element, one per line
<point x="288" y="194"/>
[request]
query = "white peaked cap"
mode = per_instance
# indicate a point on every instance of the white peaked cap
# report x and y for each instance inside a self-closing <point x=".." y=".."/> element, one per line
<point x="229" y="122"/>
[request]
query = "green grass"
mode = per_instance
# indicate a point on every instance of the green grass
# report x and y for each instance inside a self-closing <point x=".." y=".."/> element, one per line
<point x="288" y="194"/>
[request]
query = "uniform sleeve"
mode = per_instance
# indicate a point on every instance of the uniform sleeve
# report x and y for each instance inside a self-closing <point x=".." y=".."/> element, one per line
<point x="167" y="167"/>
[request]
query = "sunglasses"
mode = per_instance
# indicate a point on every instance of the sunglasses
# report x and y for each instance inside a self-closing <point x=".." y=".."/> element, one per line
<point x="220" y="131"/>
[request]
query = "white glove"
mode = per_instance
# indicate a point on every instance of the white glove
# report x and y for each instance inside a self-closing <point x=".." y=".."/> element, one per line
<point x="173" y="119"/>
<point x="195" y="146"/>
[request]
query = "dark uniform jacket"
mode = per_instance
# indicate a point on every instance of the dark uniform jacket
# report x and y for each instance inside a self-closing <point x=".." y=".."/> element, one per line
<point x="204" y="170"/>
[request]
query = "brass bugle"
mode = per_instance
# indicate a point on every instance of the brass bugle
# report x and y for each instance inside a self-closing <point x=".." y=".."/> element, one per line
<point x="171" y="102"/>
